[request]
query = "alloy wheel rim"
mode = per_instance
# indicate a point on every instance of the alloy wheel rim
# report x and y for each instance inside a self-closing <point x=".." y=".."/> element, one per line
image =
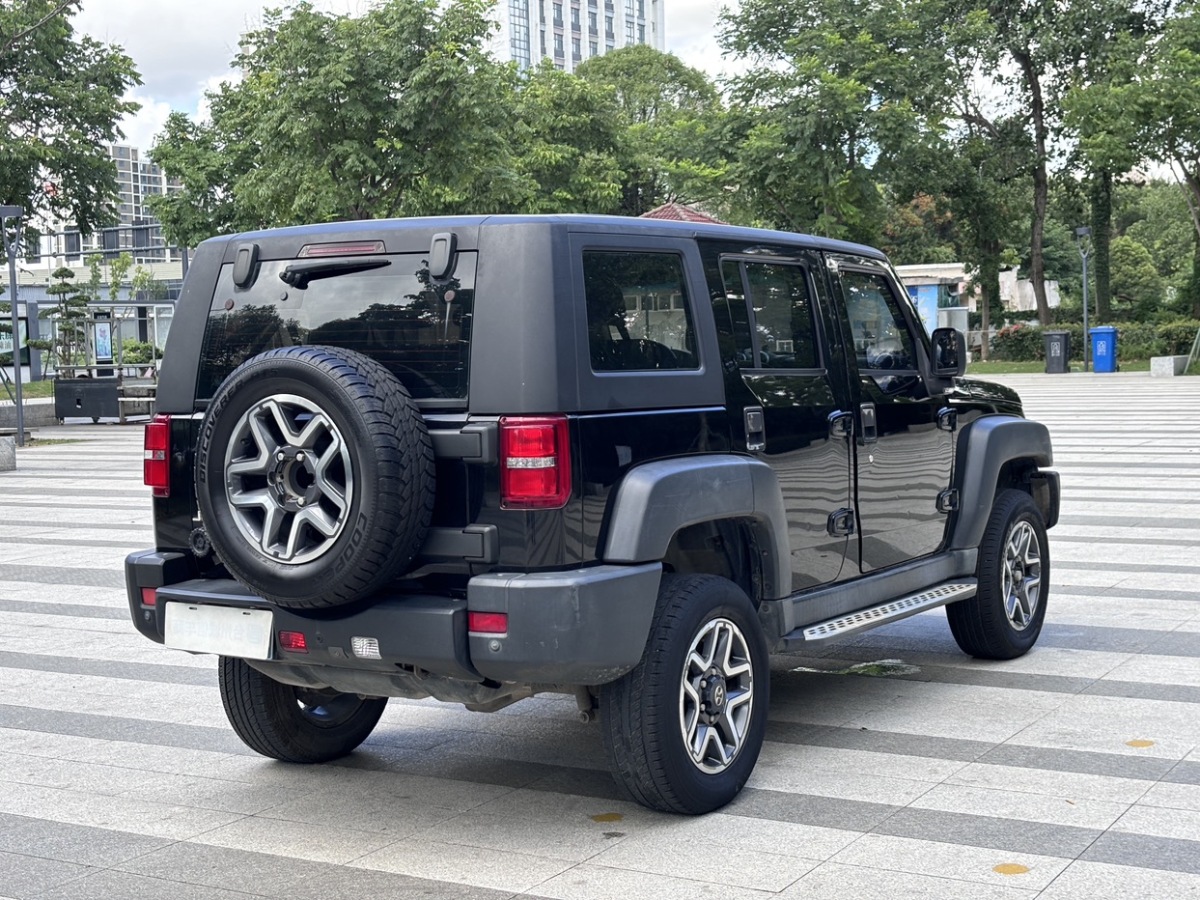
<point x="716" y="694"/>
<point x="1022" y="575"/>
<point x="289" y="481"/>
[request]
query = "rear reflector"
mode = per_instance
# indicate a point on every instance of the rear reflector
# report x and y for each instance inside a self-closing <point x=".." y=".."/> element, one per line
<point x="149" y="596"/>
<point x="365" y="647"/>
<point x="293" y="641"/>
<point x="535" y="462"/>
<point x="156" y="456"/>
<point x="487" y="622"/>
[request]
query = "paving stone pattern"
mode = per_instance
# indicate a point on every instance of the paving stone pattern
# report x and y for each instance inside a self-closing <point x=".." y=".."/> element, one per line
<point x="1071" y="773"/>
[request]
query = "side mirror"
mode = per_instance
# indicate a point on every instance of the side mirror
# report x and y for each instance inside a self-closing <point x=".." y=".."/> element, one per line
<point x="949" y="353"/>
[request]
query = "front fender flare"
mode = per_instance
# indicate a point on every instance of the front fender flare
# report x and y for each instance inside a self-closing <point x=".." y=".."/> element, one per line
<point x="657" y="499"/>
<point x="984" y="447"/>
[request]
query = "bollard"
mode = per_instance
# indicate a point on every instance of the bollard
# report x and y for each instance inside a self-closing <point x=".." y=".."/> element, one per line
<point x="8" y="453"/>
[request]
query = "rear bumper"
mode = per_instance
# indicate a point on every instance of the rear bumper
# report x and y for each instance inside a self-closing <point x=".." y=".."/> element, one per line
<point x="579" y="627"/>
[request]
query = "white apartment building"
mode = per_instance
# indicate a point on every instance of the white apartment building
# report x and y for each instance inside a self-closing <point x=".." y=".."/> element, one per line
<point x="571" y="31"/>
<point x="137" y="231"/>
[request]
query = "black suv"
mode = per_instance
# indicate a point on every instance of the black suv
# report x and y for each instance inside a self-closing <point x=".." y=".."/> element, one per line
<point x="483" y="458"/>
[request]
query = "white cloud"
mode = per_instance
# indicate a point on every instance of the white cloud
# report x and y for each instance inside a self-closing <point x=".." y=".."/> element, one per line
<point x="143" y="126"/>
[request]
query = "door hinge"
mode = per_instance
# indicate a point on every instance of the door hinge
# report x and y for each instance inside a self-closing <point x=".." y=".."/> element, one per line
<point x="947" y="501"/>
<point x="841" y="522"/>
<point x="841" y="424"/>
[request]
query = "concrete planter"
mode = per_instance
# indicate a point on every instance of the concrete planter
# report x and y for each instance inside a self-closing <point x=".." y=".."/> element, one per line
<point x="39" y="413"/>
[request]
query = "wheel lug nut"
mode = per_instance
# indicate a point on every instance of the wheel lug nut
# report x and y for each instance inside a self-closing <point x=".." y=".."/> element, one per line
<point x="281" y="455"/>
<point x="299" y="457"/>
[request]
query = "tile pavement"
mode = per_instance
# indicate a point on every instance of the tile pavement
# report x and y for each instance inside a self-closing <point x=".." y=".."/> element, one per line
<point x="1071" y="773"/>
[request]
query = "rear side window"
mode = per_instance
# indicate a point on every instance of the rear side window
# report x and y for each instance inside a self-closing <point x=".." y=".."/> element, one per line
<point x="638" y="311"/>
<point x="417" y="328"/>
<point x="785" y="335"/>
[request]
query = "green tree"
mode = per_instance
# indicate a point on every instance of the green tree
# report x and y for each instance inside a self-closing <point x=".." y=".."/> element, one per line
<point x="399" y="111"/>
<point x="1156" y="216"/>
<point x="839" y="94"/>
<point x="60" y="103"/>
<point x="1045" y="46"/>
<point x="1135" y="281"/>
<point x="567" y="139"/>
<point x="68" y="346"/>
<point x="671" y="117"/>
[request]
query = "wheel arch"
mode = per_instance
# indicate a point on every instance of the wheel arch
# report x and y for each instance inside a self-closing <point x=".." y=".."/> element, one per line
<point x="664" y="510"/>
<point x="994" y="453"/>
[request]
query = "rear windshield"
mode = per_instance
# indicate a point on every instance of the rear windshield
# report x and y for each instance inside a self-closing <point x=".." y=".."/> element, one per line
<point x="419" y="329"/>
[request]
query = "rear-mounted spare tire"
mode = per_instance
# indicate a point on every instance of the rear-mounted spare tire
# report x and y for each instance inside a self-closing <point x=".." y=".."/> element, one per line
<point x="314" y="476"/>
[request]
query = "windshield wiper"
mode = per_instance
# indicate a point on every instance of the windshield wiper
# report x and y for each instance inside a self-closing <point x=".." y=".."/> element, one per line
<point x="299" y="274"/>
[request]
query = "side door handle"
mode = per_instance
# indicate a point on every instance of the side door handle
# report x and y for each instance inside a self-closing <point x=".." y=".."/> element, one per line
<point x="869" y="430"/>
<point x="756" y="428"/>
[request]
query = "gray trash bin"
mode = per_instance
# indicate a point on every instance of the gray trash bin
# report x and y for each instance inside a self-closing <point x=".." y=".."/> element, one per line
<point x="1058" y="351"/>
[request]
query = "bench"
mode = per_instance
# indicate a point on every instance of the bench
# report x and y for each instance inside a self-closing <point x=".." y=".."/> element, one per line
<point x="1168" y="365"/>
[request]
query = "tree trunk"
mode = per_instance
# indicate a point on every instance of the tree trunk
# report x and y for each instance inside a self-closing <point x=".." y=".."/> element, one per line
<point x="1191" y="288"/>
<point x="1101" y="198"/>
<point x="1041" y="189"/>
<point x="989" y="286"/>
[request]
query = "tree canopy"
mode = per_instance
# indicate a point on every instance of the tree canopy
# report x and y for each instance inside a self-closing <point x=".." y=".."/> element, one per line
<point x="61" y="102"/>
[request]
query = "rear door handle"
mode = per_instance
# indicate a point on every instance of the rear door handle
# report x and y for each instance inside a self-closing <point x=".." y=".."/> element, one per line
<point x="869" y="430"/>
<point x="756" y="428"/>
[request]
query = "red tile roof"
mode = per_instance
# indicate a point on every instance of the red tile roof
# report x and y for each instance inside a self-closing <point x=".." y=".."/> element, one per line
<point x="680" y="213"/>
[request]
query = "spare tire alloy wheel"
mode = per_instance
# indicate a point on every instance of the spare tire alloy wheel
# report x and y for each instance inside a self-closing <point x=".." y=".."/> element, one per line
<point x="300" y="511"/>
<point x="314" y="476"/>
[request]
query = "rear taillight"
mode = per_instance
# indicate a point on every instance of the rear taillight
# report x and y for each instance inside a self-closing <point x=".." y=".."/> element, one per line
<point x="535" y="462"/>
<point x="156" y="456"/>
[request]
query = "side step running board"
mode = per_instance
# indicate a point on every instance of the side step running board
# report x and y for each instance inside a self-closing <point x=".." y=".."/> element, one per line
<point x="891" y="611"/>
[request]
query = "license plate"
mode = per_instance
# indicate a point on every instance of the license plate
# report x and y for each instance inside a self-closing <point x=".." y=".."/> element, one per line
<point x="224" y="630"/>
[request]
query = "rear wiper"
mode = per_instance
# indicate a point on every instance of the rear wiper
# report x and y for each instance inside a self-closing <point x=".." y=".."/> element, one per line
<point x="299" y="274"/>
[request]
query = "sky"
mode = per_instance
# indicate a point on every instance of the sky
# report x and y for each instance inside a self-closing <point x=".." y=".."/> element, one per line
<point x="183" y="47"/>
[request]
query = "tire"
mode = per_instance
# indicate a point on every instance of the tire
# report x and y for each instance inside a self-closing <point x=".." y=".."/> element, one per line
<point x="652" y="719"/>
<point x="1004" y="618"/>
<point x="294" y="724"/>
<point x="314" y="476"/>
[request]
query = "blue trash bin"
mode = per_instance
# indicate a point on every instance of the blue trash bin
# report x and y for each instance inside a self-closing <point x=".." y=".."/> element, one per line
<point x="1104" y="348"/>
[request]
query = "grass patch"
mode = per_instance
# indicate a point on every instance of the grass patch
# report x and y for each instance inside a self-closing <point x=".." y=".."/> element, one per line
<point x="29" y="390"/>
<point x="1004" y="367"/>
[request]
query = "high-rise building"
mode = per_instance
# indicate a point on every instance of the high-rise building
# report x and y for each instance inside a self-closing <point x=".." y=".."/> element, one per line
<point x="136" y="232"/>
<point x="571" y="31"/>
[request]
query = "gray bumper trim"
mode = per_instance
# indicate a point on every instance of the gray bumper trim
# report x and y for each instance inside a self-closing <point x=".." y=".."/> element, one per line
<point x="585" y="626"/>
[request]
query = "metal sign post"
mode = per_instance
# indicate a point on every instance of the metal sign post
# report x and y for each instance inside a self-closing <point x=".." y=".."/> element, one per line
<point x="10" y="250"/>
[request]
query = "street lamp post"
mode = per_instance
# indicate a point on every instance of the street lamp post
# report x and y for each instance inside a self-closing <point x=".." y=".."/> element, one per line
<point x="10" y="250"/>
<point x="1082" y="235"/>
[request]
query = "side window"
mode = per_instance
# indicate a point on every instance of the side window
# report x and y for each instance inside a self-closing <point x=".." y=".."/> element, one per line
<point x="638" y="311"/>
<point x="881" y="338"/>
<point x="784" y="329"/>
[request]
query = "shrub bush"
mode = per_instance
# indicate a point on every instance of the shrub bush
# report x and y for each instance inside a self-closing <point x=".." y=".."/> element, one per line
<point x="1135" y="340"/>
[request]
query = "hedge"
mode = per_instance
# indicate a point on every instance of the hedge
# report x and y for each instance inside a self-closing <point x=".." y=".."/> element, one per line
<point x="1025" y="343"/>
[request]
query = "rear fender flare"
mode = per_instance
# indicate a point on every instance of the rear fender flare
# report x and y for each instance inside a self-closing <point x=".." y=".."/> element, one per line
<point x="655" y="500"/>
